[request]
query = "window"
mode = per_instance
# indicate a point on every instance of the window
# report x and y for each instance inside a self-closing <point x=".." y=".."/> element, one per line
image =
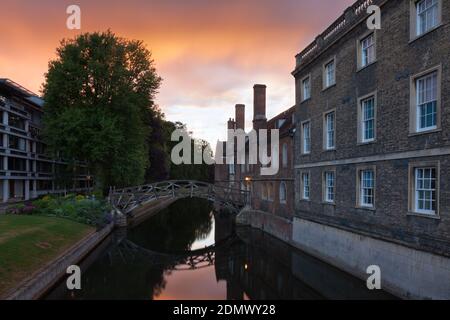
<point x="16" y="164"/>
<point x="425" y="109"/>
<point x="329" y="179"/>
<point x="367" y="120"/>
<point x="425" y="190"/>
<point x="44" y="167"/>
<point x="427" y="16"/>
<point x="329" y="74"/>
<point x="16" y="122"/>
<point x="264" y="191"/>
<point x="17" y="143"/>
<point x="367" y="188"/>
<point x="329" y="133"/>
<point x="270" y="191"/>
<point x="283" y="193"/>
<point x="426" y="95"/>
<point x="306" y="145"/>
<point x="284" y="156"/>
<point x="305" y="186"/>
<point x="306" y="88"/>
<point x="232" y="169"/>
<point x="367" y="51"/>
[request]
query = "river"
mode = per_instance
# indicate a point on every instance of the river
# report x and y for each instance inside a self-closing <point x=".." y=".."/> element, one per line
<point x="188" y="252"/>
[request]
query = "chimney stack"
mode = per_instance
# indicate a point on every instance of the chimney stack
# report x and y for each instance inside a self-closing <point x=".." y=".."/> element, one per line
<point x="240" y="116"/>
<point x="259" y="107"/>
<point x="231" y="124"/>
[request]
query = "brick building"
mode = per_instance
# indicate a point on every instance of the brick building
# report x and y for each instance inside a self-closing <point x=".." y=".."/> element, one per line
<point x="372" y="145"/>
<point x="272" y="196"/>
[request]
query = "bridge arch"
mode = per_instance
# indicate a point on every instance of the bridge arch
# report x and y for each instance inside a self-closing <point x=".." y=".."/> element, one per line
<point x="128" y="199"/>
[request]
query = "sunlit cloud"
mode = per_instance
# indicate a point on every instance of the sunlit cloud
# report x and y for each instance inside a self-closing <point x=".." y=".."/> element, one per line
<point x="209" y="53"/>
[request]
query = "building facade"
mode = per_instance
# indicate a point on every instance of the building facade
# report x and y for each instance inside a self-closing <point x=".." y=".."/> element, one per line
<point x="372" y="145"/>
<point x="271" y="196"/>
<point x="26" y="170"/>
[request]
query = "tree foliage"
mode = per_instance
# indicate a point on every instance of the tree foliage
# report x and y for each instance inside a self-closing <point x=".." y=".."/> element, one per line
<point x="99" y="106"/>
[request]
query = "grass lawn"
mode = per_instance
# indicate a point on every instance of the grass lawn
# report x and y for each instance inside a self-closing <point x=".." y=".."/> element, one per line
<point x="27" y="243"/>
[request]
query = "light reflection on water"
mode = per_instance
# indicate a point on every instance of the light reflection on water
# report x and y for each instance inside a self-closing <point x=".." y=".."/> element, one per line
<point x="249" y="265"/>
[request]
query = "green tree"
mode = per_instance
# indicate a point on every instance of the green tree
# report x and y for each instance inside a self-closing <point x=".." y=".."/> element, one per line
<point x="99" y="99"/>
<point x="199" y="172"/>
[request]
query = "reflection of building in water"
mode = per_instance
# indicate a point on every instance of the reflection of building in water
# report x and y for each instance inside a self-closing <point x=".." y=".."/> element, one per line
<point x="262" y="267"/>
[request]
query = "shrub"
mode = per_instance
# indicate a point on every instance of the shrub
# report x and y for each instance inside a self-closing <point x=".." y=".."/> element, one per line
<point x="16" y="209"/>
<point x="77" y="208"/>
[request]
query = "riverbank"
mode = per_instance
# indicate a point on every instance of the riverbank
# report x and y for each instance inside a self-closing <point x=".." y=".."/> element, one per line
<point x="29" y="242"/>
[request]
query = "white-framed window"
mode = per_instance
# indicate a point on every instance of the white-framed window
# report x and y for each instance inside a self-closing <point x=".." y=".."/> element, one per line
<point x="283" y="192"/>
<point x="427" y="15"/>
<point x="330" y="74"/>
<point x="427" y="102"/>
<point x="329" y="190"/>
<point x="367" y="50"/>
<point x="306" y="141"/>
<point x="367" y="188"/>
<point x="306" y="188"/>
<point x="367" y="125"/>
<point x="284" y="155"/>
<point x="425" y="191"/>
<point x="306" y="88"/>
<point x="330" y="127"/>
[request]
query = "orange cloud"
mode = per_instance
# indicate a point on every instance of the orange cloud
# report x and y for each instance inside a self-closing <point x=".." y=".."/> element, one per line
<point x="209" y="53"/>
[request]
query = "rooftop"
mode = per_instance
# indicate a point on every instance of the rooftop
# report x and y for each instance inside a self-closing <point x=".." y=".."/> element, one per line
<point x="351" y="17"/>
<point x="17" y="89"/>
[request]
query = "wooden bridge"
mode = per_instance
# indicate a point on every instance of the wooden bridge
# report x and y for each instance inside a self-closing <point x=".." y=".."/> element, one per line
<point x="126" y="200"/>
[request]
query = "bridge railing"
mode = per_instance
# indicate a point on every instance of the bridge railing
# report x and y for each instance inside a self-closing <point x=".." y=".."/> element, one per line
<point x="127" y="199"/>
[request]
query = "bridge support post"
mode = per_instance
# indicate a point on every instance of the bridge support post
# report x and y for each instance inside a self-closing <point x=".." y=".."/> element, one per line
<point x="120" y="220"/>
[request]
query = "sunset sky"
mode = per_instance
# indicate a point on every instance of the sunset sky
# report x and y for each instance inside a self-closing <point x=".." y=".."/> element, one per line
<point x="209" y="52"/>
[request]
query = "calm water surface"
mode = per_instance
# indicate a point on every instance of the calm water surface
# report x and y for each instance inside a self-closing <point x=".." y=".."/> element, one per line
<point x="172" y="256"/>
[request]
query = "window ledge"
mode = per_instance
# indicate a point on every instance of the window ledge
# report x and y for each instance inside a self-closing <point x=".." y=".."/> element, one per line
<point x="361" y="68"/>
<point x="305" y="154"/>
<point x="415" y="38"/>
<point x="305" y="100"/>
<point x="373" y="209"/>
<point x="419" y="133"/>
<point x="424" y="215"/>
<point x="329" y="203"/>
<point x="329" y="150"/>
<point x="305" y="200"/>
<point x="365" y="143"/>
<point x="329" y="87"/>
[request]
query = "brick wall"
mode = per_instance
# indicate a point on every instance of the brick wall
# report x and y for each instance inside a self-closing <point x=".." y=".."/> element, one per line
<point x="398" y="59"/>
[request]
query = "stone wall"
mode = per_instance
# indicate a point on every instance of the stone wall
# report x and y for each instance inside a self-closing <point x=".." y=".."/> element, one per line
<point x="405" y="272"/>
<point x="274" y="225"/>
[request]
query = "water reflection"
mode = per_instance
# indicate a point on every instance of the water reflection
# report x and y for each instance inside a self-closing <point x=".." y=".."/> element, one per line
<point x="149" y="261"/>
